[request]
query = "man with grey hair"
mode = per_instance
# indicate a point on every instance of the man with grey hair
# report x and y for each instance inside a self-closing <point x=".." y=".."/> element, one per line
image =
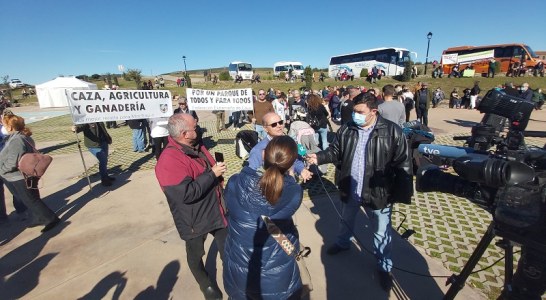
<point x="192" y="182"/>
<point x="525" y="92"/>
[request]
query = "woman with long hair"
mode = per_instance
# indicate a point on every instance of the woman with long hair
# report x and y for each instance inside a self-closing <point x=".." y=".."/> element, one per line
<point x="18" y="143"/>
<point x="255" y="266"/>
<point x="317" y="117"/>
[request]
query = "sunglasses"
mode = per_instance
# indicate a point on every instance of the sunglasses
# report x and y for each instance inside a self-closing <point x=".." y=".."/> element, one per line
<point x="182" y="103"/>
<point x="273" y="125"/>
<point x="261" y="94"/>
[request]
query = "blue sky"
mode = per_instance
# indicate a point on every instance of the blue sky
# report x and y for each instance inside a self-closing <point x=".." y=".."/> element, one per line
<point x="46" y="38"/>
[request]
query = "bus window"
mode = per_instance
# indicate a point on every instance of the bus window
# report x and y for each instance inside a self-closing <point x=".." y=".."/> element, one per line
<point x="502" y="52"/>
<point x="518" y="51"/>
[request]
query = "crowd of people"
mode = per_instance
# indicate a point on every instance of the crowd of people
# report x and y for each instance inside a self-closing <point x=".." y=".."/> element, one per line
<point x="370" y="154"/>
<point x="192" y="182"/>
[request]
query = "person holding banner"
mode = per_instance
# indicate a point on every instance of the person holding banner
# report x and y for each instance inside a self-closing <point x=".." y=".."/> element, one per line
<point x="97" y="139"/>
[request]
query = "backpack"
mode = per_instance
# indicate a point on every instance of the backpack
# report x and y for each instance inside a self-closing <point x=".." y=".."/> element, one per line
<point x="409" y="103"/>
<point x="313" y="121"/>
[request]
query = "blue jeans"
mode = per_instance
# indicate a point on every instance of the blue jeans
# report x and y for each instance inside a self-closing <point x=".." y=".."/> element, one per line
<point x="323" y="132"/>
<point x="139" y="140"/>
<point x="261" y="131"/>
<point x="381" y="226"/>
<point x="102" y="155"/>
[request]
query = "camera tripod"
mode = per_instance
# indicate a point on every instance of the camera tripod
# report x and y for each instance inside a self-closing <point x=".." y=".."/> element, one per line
<point x="458" y="281"/>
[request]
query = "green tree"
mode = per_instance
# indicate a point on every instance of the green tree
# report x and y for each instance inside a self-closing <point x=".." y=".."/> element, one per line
<point x="364" y="73"/>
<point x="134" y="75"/>
<point x="406" y="76"/>
<point x="308" y="72"/>
<point x="224" y="76"/>
<point x="116" y="82"/>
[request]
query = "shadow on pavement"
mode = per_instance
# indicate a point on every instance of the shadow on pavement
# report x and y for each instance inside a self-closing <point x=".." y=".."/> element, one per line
<point x="47" y="150"/>
<point x="25" y="279"/>
<point x="99" y="291"/>
<point x="22" y="266"/>
<point x="165" y="283"/>
<point x="461" y="123"/>
<point x="352" y="274"/>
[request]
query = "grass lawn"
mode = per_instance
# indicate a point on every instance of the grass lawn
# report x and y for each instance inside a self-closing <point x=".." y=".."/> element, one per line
<point x="446" y="84"/>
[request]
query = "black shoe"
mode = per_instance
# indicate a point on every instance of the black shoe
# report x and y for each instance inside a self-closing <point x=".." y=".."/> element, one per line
<point x="111" y="178"/>
<point x="385" y="280"/>
<point x="212" y="292"/>
<point x="51" y="224"/>
<point x="335" y="249"/>
<point x="106" y="182"/>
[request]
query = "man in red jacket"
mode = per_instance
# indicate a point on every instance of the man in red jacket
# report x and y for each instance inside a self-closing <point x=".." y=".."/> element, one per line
<point x="191" y="181"/>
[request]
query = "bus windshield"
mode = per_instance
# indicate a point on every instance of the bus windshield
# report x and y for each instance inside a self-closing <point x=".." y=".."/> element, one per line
<point x="245" y="67"/>
<point x="531" y="52"/>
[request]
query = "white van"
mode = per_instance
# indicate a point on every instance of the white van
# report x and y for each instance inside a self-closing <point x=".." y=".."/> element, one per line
<point x="241" y="68"/>
<point x="286" y="66"/>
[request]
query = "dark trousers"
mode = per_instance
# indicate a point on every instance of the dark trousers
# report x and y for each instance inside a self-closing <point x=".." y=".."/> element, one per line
<point x="40" y="213"/>
<point x="195" y="250"/>
<point x="422" y="114"/>
<point x="159" y="144"/>
<point x="236" y="116"/>
<point x="408" y="112"/>
<point x="17" y="204"/>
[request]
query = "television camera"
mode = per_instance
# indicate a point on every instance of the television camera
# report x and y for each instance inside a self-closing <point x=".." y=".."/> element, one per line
<point x="497" y="171"/>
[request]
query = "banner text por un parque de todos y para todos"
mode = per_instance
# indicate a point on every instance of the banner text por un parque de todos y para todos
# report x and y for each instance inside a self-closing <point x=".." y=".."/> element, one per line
<point x="235" y="99"/>
<point x="89" y="106"/>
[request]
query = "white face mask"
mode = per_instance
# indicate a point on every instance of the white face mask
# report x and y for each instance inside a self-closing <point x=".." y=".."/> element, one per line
<point x="4" y="131"/>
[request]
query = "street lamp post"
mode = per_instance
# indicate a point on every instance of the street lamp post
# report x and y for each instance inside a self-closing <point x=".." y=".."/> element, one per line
<point x="185" y="70"/>
<point x="429" y="36"/>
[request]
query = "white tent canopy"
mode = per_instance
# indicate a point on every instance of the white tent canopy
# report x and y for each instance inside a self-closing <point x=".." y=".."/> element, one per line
<point x="52" y="93"/>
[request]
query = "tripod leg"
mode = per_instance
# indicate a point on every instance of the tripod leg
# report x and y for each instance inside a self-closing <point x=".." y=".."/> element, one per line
<point x="457" y="281"/>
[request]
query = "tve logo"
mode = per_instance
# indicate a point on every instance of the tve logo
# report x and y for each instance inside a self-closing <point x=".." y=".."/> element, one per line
<point x="428" y="150"/>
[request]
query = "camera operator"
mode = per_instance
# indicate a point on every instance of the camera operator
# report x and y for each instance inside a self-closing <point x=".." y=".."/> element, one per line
<point x="375" y="173"/>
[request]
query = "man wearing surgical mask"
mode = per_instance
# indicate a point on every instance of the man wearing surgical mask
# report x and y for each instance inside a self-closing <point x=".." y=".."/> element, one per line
<point x="375" y="172"/>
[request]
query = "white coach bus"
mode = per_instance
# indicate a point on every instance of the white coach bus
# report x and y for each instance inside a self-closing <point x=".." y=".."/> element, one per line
<point x="389" y="61"/>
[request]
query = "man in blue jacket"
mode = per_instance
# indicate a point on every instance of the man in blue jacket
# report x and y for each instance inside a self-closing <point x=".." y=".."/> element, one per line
<point x="375" y="173"/>
<point x="191" y="181"/>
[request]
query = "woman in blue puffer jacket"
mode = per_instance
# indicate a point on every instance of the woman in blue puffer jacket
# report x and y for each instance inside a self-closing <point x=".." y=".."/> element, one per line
<point x="255" y="266"/>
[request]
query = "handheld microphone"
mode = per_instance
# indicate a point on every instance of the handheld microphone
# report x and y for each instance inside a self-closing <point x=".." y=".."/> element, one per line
<point x="444" y="151"/>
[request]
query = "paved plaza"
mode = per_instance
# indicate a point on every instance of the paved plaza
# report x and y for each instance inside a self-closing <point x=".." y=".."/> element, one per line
<point x="120" y="242"/>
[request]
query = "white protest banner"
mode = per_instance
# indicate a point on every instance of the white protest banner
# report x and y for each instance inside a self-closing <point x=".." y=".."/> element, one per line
<point x="89" y="106"/>
<point x="449" y="59"/>
<point x="236" y="99"/>
<point x="473" y="57"/>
